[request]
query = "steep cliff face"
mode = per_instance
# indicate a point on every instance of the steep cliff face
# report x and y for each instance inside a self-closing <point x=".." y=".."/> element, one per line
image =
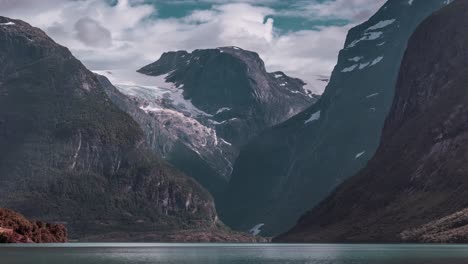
<point x="67" y="154"/>
<point x="14" y="228"/>
<point x="293" y="166"/>
<point x="414" y="189"/>
<point x="197" y="109"/>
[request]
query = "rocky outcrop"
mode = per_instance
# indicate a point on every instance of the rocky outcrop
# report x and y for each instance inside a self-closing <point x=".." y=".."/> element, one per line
<point x="200" y="108"/>
<point x="14" y="228"/>
<point x="290" y="168"/>
<point x="69" y="155"/>
<point x="415" y="188"/>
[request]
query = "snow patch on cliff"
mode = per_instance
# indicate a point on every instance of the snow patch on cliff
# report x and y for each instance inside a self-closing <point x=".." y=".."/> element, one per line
<point x="314" y="117"/>
<point x="381" y="24"/>
<point x="350" y="68"/>
<point x="7" y="24"/>
<point x="367" y="37"/>
<point x="222" y="110"/>
<point x="256" y="230"/>
<point x="359" y="155"/>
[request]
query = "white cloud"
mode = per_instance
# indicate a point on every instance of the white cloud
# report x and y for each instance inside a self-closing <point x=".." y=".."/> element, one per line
<point x="123" y="36"/>
<point x="353" y="10"/>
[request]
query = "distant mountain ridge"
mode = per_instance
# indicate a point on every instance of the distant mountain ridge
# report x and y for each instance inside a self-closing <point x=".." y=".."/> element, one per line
<point x="293" y="166"/>
<point x="200" y="108"/>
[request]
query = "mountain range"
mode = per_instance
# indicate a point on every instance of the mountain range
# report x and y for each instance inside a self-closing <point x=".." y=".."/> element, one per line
<point x="199" y="142"/>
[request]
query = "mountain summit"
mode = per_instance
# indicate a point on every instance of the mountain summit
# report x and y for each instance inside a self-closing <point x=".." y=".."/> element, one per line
<point x="230" y="83"/>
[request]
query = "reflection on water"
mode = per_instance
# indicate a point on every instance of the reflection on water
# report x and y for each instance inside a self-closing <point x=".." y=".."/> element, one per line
<point x="232" y="254"/>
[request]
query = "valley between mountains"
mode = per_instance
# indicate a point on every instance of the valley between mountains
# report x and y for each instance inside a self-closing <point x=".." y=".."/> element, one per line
<point x="209" y="146"/>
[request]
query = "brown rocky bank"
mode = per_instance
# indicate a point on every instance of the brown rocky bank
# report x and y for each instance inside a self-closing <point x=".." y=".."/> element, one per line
<point x="15" y="228"/>
<point x="415" y="187"/>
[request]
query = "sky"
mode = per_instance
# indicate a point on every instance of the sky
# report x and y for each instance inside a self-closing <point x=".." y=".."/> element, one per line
<point x="300" y="37"/>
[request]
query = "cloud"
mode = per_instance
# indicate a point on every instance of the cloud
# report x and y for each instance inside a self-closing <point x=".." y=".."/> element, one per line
<point x="353" y="10"/>
<point x="21" y="5"/>
<point x="91" y="33"/>
<point x="130" y="34"/>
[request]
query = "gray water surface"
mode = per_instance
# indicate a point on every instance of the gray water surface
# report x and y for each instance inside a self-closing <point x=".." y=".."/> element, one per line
<point x="104" y="253"/>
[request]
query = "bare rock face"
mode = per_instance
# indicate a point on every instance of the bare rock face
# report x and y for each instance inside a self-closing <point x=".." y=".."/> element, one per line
<point x="293" y="166"/>
<point x="415" y="188"/>
<point x="14" y="228"/>
<point x="68" y="154"/>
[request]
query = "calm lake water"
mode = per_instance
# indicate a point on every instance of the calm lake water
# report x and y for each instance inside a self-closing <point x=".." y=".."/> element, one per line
<point x="230" y="254"/>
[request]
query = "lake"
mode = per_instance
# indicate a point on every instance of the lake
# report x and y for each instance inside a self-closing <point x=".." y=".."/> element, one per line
<point x="100" y="253"/>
